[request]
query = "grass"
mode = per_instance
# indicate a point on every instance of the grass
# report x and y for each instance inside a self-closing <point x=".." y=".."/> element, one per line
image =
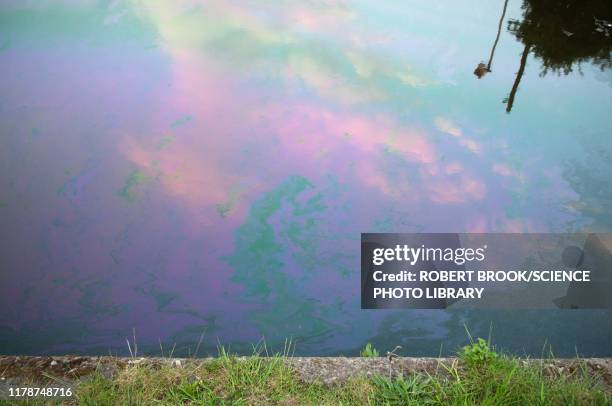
<point x="480" y="376"/>
<point x="226" y="380"/>
<point x="484" y="377"/>
<point x="369" y="351"/>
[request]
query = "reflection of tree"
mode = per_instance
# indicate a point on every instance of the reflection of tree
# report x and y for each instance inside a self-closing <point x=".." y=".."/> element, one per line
<point x="519" y="76"/>
<point x="562" y="33"/>
<point x="501" y="21"/>
<point x="483" y="69"/>
<point x="591" y="181"/>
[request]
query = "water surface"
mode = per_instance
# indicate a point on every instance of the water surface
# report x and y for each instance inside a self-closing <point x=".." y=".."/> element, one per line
<point x="201" y="171"/>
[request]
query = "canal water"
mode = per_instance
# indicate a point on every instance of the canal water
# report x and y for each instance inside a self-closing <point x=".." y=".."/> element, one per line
<point x="185" y="173"/>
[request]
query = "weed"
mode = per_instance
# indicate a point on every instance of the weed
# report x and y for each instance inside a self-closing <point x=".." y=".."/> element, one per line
<point x="478" y="353"/>
<point x="369" y="351"/>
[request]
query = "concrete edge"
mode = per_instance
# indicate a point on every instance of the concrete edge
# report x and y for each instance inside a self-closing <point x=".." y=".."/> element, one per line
<point x="327" y="370"/>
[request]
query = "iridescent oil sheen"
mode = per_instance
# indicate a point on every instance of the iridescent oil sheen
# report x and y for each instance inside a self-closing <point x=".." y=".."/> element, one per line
<point x="199" y="172"/>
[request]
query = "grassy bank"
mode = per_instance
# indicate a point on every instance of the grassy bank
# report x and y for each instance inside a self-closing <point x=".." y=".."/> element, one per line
<point x="480" y="376"/>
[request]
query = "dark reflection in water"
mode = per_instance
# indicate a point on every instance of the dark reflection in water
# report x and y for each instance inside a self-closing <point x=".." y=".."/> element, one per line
<point x="589" y="178"/>
<point x="561" y="35"/>
<point x="566" y="33"/>
<point x="483" y="69"/>
<point x="187" y="167"/>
